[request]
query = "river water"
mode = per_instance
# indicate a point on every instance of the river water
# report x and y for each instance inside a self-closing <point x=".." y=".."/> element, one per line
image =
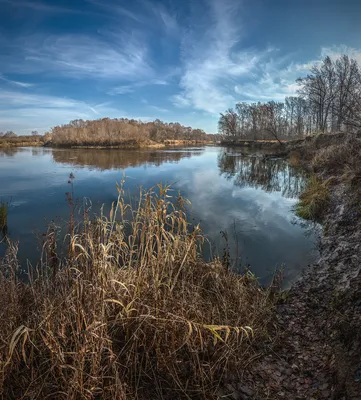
<point x="249" y="196"/>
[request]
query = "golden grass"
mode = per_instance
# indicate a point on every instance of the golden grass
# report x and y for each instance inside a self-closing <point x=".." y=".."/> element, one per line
<point x="314" y="199"/>
<point x="132" y="313"/>
<point x="294" y="159"/>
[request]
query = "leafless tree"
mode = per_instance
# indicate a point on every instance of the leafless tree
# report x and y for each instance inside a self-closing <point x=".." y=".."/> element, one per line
<point x="329" y="100"/>
<point x="228" y="123"/>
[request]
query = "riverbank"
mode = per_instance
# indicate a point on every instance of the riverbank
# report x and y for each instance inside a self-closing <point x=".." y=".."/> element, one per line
<point x="148" y="144"/>
<point x="317" y="352"/>
<point x="76" y="326"/>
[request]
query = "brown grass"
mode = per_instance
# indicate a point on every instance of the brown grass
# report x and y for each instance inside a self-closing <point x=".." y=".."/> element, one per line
<point x="294" y="159"/>
<point x="21" y="141"/>
<point x="133" y="312"/>
<point x="314" y="200"/>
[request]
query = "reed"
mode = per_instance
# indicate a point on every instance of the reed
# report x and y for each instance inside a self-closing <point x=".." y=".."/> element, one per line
<point x="3" y="215"/>
<point x="133" y="312"/>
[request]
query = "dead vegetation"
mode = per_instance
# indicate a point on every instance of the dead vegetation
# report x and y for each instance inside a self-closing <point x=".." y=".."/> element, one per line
<point x="314" y="199"/>
<point x="122" y="132"/>
<point x="133" y="312"/>
<point x="332" y="160"/>
<point x="21" y="141"/>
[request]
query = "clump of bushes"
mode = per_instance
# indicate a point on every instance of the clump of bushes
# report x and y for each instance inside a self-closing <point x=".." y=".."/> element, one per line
<point x="133" y="312"/>
<point x="314" y="200"/>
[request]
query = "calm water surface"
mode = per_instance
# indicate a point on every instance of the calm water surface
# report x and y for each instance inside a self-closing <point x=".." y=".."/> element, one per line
<point x="249" y="197"/>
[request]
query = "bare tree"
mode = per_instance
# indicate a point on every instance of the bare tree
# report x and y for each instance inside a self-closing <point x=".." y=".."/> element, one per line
<point x="9" y="134"/>
<point x="228" y="123"/>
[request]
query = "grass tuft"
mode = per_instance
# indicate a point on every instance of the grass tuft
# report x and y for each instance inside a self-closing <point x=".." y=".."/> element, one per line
<point x="294" y="159"/>
<point x="314" y="199"/>
<point x="133" y="312"/>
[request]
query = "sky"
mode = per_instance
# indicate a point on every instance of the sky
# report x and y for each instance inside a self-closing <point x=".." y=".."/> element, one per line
<point x="177" y="60"/>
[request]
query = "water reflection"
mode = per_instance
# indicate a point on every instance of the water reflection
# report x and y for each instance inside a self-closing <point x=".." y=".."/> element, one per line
<point x="104" y="159"/>
<point x="10" y="151"/>
<point x="261" y="171"/>
<point x="248" y="196"/>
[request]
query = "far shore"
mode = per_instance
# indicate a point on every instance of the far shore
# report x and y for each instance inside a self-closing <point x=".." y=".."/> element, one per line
<point x="125" y="145"/>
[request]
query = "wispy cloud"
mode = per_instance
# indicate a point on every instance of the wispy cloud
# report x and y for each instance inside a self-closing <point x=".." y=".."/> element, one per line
<point x="89" y="56"/>
<point x="159" y="109"/>
<point x="335" y="52"/>
<point x="275" y="78"/>
<point x="38" y="6"/>
<point x="115" y="8"/>
<point x="16" y="83"/>
<point x="218" y="71"/>
<point x="125" y="89"/>
<point x="212" y="61"/>
<point x="145" y="12"/>
<point x="25" y="111"/>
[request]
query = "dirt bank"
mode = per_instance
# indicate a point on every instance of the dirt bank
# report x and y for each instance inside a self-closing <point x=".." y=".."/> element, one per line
<point x="317" y="353"/>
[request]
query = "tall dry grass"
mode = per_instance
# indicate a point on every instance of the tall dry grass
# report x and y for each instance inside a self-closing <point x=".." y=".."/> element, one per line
<point x="133" y="312"/>
<point x="20" y="141"/>
<point x="3" y="215"/>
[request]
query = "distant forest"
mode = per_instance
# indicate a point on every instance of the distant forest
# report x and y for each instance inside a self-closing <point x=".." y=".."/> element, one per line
<point x="329" y="100"/>
<point x="114" y="132"/>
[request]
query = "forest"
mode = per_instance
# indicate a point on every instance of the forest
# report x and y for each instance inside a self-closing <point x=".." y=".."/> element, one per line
<point x="122" y="131"/>
<point x="328" y="100"/>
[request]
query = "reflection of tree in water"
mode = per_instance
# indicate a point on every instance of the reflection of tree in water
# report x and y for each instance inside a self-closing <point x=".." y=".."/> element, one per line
<point x="9" y="151"/>
<point x="267" y="173"/>
<point x="114" y="158"/>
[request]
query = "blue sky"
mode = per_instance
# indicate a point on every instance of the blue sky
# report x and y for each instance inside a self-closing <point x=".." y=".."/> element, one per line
<point x="176" y="60"/>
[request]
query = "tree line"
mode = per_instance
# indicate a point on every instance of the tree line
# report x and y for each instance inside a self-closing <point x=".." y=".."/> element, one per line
<point x="328" y="100"/>
<point x="12" y="134"/>
<point x="113" y="132"/>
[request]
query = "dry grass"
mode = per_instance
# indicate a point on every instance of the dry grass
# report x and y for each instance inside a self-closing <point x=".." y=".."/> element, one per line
<point x="21" y="141"/>
<point x="294" y="159"/>
<point x="335" y="158"/>
<point x="340" y="160"/>
<point x="3" y="215"/>
<point x="314" y="199"/>
<point x="132" y="313"/>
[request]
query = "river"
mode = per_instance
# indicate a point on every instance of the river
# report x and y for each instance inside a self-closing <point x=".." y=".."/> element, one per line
<point x="248" y="196"/>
